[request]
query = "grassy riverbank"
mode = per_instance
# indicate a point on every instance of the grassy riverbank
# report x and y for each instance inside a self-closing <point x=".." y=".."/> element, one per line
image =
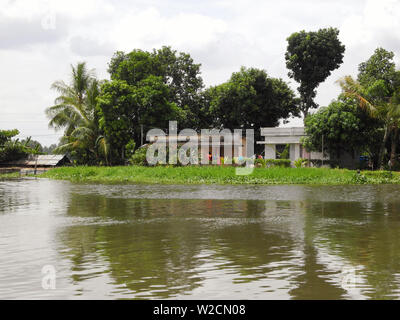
<point x="11" y="175"/>
<point x="219" y="175"/>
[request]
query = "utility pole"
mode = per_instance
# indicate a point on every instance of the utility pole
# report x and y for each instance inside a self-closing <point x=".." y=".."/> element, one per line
<point x="34" y="172"/>
<point x="141" y="135"/>
<point x="322" y="149"/>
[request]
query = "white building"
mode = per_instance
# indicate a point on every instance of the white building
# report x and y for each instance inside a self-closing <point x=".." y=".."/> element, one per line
<point x="283" y="136"/>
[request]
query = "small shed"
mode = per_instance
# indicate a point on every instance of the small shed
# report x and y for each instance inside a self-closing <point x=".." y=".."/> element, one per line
<point x="41" y="161"/>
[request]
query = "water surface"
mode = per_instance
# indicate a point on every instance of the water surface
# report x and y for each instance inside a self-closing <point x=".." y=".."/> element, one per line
<point x="199" y="241"/>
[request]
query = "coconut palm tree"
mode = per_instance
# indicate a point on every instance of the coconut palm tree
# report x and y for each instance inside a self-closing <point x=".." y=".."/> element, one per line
<point x="395" y="114"/>
<point x="74" y="111"/>
<point x="378" y="104"/>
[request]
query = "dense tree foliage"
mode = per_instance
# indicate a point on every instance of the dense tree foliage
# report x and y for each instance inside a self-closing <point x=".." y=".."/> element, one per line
<point x="251" y="99"/>
<point x="6" y="135"/>
<point x="176" y="70"/>
<point x="33" y="144"/>
<point x="148" y="89"/>
<point x="13" y="149"/>
<point x="49" y="149"/>
<point x="311" y="57"/>
<point x="379" y="67"/>
<point x="183" y="78"/>
<point x="378" y="92"/>
<point x="344" y="127"/>
<point x="126" y="109"/>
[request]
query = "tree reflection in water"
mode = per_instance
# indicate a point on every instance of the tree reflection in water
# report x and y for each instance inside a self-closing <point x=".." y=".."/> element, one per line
<point x="164" y="248"/>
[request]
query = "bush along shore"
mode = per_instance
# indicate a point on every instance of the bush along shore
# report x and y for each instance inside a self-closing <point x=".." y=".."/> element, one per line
<point x="9" y="175"/>
<point x="220" y="175"/>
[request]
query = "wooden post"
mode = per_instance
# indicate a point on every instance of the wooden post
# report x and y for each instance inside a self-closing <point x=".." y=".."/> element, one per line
<point x="34" y="172"/>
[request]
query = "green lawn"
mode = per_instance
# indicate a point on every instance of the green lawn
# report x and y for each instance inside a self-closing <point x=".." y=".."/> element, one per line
<point x="219" y="175"/>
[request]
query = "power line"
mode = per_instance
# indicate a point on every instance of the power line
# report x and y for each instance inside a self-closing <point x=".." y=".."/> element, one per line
<point x="10" y="121"/>
<point x="40" y="135"/>
<point x="21" y="113"/>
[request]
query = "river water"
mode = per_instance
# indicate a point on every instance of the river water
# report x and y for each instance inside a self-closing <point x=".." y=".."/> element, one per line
<point x="60" y="240"/>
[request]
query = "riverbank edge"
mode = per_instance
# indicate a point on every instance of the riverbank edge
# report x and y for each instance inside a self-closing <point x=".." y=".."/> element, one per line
<point x="219" y="175"/>
<point x="11" y="175"/>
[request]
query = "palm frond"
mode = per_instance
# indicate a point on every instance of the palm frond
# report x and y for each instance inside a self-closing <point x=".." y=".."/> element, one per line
<point x="64" y="148"/>
<point x="353" y="89"/>
<point x="102" y="144"/>
<point x="82" y="133"/>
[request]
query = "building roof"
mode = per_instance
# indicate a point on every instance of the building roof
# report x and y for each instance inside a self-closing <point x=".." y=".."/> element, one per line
<point x="39" y="160"/>
<point x="215" y="139"/>
<point x="282" y="135"/>
<point x="293" y="131"/>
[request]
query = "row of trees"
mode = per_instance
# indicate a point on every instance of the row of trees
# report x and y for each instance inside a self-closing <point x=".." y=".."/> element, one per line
<point x="105" y="121"/>
<point x="12" y="148"/>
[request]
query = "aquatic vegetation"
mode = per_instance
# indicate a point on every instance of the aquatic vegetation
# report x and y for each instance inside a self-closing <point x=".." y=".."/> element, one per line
<point x="220" y="175"/>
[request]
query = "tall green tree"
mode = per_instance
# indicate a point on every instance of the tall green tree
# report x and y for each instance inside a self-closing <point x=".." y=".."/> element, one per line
<point x="251" y="99"/>
<point x="379" y="74"/>
<point x="75" y="112"/>
<point x="311" y="57"/>
<point x="127" y="110"/>
<point x="133" y="67"/>
<point x="177" y="71"/>
<point x="182" y="76"/>
<point x="380" y="66"/>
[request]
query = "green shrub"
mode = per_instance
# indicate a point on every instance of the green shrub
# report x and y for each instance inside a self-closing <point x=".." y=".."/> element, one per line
<point x="380" y="174"/>
<point x="300" y="163"/>
<point x="277" y="163"/>
<point x="260" y="163"/>
<point x="130" y="148"/>
<point x="139" y="157"/>
<point x="318" y="163"/>
<point x="359" y="178"/>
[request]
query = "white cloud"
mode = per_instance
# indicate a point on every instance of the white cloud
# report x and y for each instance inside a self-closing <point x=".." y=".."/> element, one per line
<point x="149" y="28"/>
<point x="88" y="47"/>
<point x="21" y="33"/>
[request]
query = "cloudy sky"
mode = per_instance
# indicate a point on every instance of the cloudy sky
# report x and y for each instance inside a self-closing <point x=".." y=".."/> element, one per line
<point x="40" y="39"/>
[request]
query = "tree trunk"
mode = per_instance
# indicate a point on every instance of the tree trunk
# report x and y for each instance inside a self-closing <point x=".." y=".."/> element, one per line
<point x="305" y="114"/>
<point x="394" y="147"/>
<point x="382" y="149"/>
